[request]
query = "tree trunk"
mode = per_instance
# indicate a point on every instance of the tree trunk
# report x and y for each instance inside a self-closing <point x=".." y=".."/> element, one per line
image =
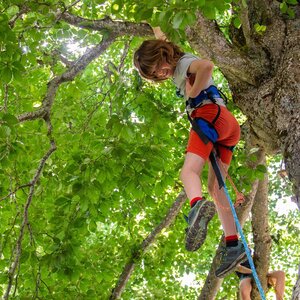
<point x="261" y="234"/>
<point x="296" y="291"/>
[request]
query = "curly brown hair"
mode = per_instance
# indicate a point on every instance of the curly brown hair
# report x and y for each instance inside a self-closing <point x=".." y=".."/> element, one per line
<point x="153" y="53"/>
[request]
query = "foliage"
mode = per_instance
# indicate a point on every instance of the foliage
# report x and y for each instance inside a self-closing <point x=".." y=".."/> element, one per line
<point x="120" y="145"/>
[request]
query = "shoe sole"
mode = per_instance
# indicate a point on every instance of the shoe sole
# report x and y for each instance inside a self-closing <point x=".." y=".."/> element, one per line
<point x="242" y="258"/>
<point x="196" y="233"/>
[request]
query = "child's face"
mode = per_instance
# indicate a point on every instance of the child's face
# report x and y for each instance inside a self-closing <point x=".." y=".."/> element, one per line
<point x="164" y="71"/>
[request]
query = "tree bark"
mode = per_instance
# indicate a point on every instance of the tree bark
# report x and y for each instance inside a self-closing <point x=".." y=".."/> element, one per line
<point x="296" y="291"/>
<point x="261" y="235"/>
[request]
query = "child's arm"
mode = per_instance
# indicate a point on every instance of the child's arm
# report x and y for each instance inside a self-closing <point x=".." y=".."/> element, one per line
<point x="159" y="34"/>
<point x="203" y="71"/>
<point x="277" y="280"/>
<point x="243" y="270"/>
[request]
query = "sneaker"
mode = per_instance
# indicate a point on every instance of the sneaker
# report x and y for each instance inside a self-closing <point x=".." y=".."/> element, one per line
<point x="198" y="218"/>
<point x="231" y="257"/>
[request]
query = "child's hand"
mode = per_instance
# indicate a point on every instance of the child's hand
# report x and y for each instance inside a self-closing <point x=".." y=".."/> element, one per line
<point x="243" y="270"/>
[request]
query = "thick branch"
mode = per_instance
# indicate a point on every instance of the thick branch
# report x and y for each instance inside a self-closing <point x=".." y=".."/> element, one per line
<point x="120" y="28"/>
<point x="211" y="43"/>
<point x="165" y="223"/>
<point x="261" y="234"/>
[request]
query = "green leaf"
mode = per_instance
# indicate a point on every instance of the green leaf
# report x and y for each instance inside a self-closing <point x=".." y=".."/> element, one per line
<point x="283" y="7"/>
<point x="260" y="29"/>
<point x="261" y="168"/>
<point x="292" y="2"/>
<point x="77" y="187"/>
<point x="60" y="201"/>
<point x="4" y="131"/>
<point x="178" y="19"/>
<point x="10" y="120"/>
<point x="12" y="10"/>
<point x="145" y="14"/>
<point x="201" y="3"/>
<point x="291" y="13"/>
<point x="237" y="22"/>
<point x="6" y="74"/>
<point x="3" y="278"/>
<point x="209" y="12"/>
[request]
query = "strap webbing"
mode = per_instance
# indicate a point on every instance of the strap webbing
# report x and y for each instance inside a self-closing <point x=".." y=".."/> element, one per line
<point x="221" y="182"/>
<point x="198" y="130"/>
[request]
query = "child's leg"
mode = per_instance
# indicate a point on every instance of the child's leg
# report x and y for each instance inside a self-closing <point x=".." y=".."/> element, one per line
<point x="277" y="280"/>
<point x="190" y="175"/>
<point x="235" y="252"/>
<point x="202" y="210"/>
<point x="221" y="202"/>
<point x="245" y="288"/>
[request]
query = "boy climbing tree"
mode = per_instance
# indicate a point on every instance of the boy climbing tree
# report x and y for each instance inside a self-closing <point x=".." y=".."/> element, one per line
<point x="159" y="60"/>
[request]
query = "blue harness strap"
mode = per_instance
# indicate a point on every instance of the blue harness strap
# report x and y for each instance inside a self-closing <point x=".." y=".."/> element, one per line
<point x="221" y="182"/>
<point x="211" y="93"/>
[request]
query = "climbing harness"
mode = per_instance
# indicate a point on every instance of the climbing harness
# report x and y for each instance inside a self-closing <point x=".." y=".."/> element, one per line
<point x="205" y="134"/>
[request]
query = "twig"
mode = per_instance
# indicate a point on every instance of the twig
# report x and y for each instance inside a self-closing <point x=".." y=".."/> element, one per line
<point x="124" y="55"/>
<point x="244" y="16"/>
<point x="15" y="190"/>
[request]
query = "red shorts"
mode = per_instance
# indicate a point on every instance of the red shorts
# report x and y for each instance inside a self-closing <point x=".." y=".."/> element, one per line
<point x="227" y="127"/>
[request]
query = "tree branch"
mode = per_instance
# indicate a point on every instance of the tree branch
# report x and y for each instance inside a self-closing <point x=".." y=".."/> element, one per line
<point x="211" y="43"/>
<point x="244" y="17"/>
<point x="120" y="28"/>
<point x="18" y="249"/>
<point x="136" y="256"/>
<point x="68" y="75"/>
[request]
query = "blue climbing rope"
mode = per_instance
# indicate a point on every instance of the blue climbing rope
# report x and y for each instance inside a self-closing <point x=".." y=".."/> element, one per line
<point x="238" y="225"/>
